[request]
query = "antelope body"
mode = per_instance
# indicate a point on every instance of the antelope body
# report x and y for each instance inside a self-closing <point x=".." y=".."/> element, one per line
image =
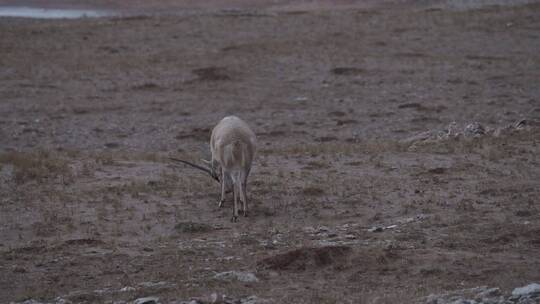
<point x="233" y="146"/>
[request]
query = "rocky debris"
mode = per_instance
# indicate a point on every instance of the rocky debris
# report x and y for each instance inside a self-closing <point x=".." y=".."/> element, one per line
<point x="95" y="295"/>
<point x="408" y="220"/>
<point x="344" y="235"/>
<point x="474" y="129"/>
<point x="155" y="285"/>
<point x="470" y="130"/>
<point x="306" y="258"/>
<point x="237" y="275"/>
<point x="376" y="229"/>
<point x="32" y="301"/>
<point x="530" y="289"/>
<point x="529" y="294"/>
<point x="147" y="300"/>
<point x="521" y="124"/>
<point x="254" y="300"/>
<point x="223" y="299"/>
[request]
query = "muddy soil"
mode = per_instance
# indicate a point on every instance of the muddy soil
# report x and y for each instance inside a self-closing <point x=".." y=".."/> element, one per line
<point x="398" y="151"/>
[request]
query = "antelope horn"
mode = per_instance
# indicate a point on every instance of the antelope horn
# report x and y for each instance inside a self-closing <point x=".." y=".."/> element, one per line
<point x="205" y="169"/>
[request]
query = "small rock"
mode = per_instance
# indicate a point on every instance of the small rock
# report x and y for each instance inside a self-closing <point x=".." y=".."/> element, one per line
<point x="323" y="229"/>
<point x="155" y="285"/>
<point x="375" y="229"/>
<point x="475" y="129"/>
<point x="527" y="290"/>
<point x="309" y="230"/>
<point x="147" y="300"/>
<point x="31" y="301"/>
<point x="419" y="137"/>
<point x="451" y="131"/>
<point x="127" y="288"/>
<point x="521" y="124"/>
<point x="216" y="298"/>
<point x="463" y="301"/>
<point x="236" y="275"/>
<point x="490" y="292"/>
<point x="254" y="300"/>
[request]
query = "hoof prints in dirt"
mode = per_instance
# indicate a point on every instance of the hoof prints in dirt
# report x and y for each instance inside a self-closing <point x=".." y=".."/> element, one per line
<point x="307" y="258"/>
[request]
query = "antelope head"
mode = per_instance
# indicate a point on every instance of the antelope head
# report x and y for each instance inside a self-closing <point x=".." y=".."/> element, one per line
<point x="212" y="169"/>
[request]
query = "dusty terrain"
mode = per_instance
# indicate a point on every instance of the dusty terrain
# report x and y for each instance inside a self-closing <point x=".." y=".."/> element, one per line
<point x="353" y="106"/>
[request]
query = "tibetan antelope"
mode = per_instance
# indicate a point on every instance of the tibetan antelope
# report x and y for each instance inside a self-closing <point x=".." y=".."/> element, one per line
<point x="233" y="145"/>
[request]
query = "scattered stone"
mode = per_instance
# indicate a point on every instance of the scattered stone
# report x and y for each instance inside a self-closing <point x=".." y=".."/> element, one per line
<point x="491" y="292"/>
<point x="195" y="301"/>
<point x="147" y="300"/>
<point x="30" y="301"/>
<point x="470" y="130"/>
<point x="521" y="124"/>
<point x="529" y="294"/>
<point x="376" y="229"/>
<point x="323" y="229"/>
<point x="475" y="129"/>
<point x="254" y="300"/>
<point x="237" y="275"/>
<point x="533" y="288"/>
<point x="216" y="299"/>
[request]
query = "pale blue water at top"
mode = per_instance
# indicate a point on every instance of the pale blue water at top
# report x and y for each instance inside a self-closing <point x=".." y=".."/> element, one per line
<point x="42" y="13"/>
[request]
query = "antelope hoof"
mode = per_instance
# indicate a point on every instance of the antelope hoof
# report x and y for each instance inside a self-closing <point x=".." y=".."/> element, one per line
<point x="245" y="213"/>
<point x="220" y="203"/>
<point x="234" y="219"/>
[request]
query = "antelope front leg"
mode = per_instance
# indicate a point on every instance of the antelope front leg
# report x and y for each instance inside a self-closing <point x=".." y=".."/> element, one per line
<point x="243" y="198"/>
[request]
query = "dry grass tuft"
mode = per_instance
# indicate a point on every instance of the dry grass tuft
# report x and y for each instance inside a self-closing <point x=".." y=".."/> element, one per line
<point x="35" y="166"/>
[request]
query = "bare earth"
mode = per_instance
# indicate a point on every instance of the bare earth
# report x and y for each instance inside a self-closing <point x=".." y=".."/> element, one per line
<point x="352" y="103"/>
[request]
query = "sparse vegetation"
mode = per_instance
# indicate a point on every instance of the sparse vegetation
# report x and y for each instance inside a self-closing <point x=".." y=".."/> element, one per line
<point x="351" y="201"/>
<point x="35" y="166"/>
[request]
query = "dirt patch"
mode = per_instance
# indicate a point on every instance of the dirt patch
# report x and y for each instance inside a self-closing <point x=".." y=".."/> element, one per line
<point x="191" y="227"/>
<point x="307" y="259"/>
<point x="212" y="74"/>
<point x="397" y="150"/>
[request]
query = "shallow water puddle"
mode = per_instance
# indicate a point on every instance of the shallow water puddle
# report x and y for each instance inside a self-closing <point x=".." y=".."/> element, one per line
<point x="45" y="13"/>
